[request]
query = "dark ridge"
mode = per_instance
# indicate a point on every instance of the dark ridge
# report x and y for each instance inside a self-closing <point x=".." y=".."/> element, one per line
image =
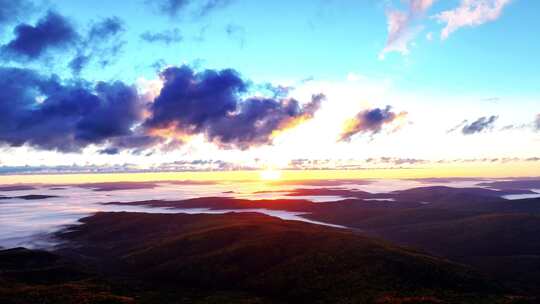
<point x="519" y="184"/>
<point x="324" y="183"/>
<point x="265" y="257"/>
<point x="444" y="193"/>
<point x="332" y="192"/>
<point x="17" y="188"/>
<point x="29" y="197"/>
<point x="446" y="180"/>
<point x="113" y="186"/>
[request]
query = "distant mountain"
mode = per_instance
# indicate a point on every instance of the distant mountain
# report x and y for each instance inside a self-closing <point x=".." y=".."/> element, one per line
<point x="448" y="194"/>
<point x="529" y="183"/>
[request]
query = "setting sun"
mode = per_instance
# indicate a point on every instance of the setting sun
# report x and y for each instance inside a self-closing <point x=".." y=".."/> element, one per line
<point x="270" y="174"/>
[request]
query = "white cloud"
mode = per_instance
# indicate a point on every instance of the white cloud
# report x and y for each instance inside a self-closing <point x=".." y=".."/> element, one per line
<point x="402" y="27"/>
<point x="470" y="13"/>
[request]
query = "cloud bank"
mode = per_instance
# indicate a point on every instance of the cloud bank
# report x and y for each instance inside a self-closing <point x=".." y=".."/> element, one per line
<point x="46" y="114"/>
<point x="212" y="103"/>
<point x="67" y="116"/>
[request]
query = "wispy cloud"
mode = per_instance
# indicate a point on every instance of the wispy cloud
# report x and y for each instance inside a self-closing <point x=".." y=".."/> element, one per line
<point x="12" y="10"/>
<point x="470" y="13"/>
<point x="403" y="27"/>
<point x="236" y="32"/>
<point x="167" y="36"/>
<point x="534" y="125"/>
<point x="461" y="124"/>
<point x="479" y="125"/>
<point x="198" y="9"/>
<point x="482" y="124"/>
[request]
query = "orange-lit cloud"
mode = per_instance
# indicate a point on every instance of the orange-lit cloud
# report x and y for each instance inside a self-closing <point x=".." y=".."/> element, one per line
<point x="370" y="121"/>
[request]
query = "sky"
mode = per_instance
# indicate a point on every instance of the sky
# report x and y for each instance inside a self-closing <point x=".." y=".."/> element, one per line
<point x="452" y="87"/>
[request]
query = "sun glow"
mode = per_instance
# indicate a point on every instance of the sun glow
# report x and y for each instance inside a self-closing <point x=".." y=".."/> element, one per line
<point x="270" y="174"/>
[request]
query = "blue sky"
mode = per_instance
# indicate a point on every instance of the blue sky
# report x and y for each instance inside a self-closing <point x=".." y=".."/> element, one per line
<point x="328" y="39"/>
<point x="486" y="66"/>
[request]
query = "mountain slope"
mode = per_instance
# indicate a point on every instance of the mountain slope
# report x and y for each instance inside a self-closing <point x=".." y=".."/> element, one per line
<point x="504" y="245"/>
<point x="267" y="257"/>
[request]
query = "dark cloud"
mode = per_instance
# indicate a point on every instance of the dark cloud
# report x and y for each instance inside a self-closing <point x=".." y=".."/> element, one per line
<point x="479" y="125"/>
<point x="32" y="41"/>
<point x="211" y="103"/>
<point x="257" y="119"/>
<point x="11" y="10"/>
<point x="167" y="36"/>
<point x="50" y="114"/>
<point x="211" y="5"/>
<point x="189" y="100"/>
<point x="109" y="151"/>
<point x="369" y="121"/>
<point x="537" y="123"/>
<point x="46" y="114"/>
<point x="100" y="42"/>
<point x="105" y="29"/>
<point x="198" y="8"/>
<point x="139" y="143"/>
<point x="171" y="7"/>
<point x="55" y="33"/>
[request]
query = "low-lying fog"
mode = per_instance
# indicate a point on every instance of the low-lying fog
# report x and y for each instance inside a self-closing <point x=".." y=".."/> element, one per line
<point x="29" y="222"/>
